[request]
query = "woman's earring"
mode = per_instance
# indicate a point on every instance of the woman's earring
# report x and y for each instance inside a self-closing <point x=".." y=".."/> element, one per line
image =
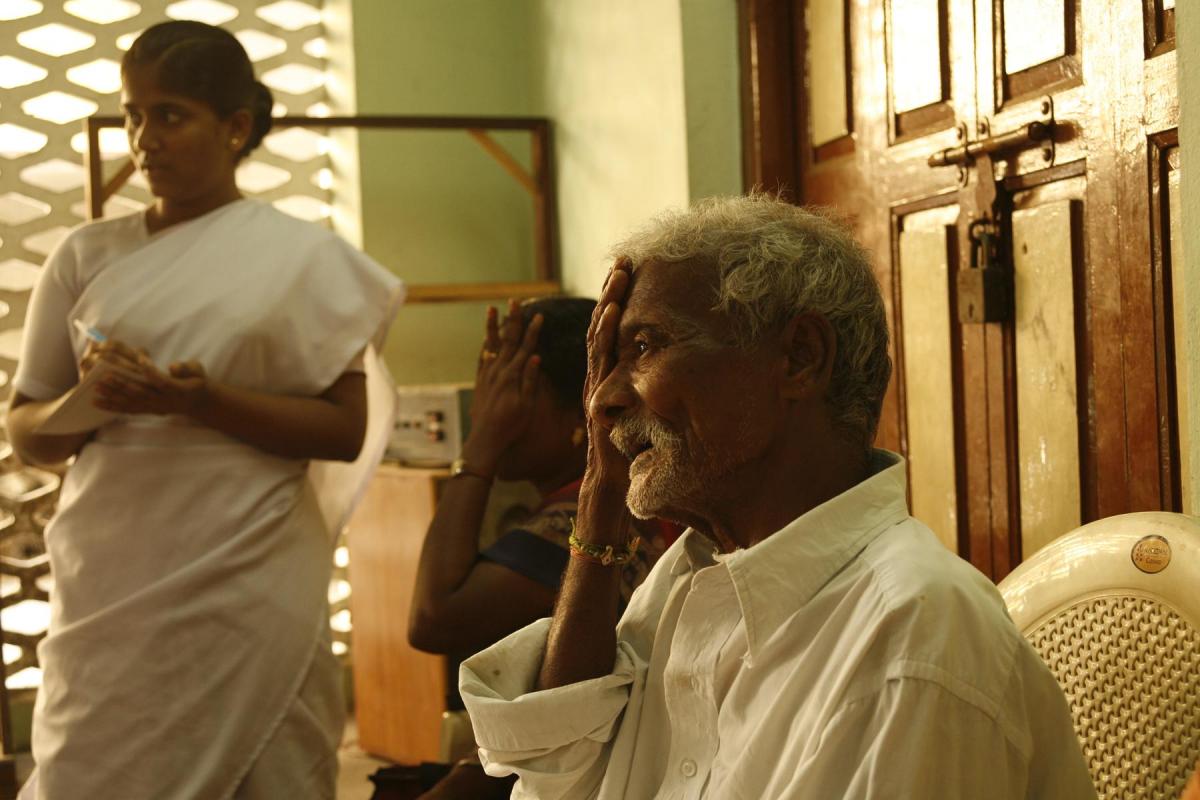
<point x="577" y="436"/>
<point x="235" y="143"/>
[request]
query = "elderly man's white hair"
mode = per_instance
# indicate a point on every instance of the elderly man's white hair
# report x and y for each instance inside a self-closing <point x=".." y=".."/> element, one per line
<point x="775" y="261"/>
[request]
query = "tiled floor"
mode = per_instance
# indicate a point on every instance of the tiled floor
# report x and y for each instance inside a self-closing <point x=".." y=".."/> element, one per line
<point x="353" y="784"/>
<point x="355" y="767"/>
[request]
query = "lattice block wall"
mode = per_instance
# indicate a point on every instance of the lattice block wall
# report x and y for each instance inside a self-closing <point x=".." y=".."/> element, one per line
<point x="60" y="63"/>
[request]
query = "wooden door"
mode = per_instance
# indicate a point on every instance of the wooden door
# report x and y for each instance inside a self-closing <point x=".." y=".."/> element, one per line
<point x="1015" y="431"/>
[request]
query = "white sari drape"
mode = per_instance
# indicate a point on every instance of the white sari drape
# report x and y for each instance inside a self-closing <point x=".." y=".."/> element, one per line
<point x="191" y="570"/>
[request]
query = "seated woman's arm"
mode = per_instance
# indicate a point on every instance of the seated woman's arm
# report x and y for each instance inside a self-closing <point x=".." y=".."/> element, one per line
<point x="461" y="604"/>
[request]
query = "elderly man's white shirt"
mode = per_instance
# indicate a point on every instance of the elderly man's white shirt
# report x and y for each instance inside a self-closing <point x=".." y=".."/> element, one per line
<point x="848" y="655"/>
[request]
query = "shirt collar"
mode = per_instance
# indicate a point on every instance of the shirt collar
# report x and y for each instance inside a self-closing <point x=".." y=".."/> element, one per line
<point x="780" y="574"/>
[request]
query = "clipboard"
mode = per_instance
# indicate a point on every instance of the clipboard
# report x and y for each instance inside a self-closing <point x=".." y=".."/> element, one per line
<point x="75" y="411"/>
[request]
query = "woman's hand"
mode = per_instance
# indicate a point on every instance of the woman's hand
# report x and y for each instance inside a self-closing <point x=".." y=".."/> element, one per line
<point x="113" y="353"/>
<point x="183" y="389"/>
<point x="505" y="386"/>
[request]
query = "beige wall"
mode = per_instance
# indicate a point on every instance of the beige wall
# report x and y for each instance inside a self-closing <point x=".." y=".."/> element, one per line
<point x="1187" y="280"/>
<point x="644" y="98"/>
<point x="434" y="207"/>
<point x="612" y="80"/>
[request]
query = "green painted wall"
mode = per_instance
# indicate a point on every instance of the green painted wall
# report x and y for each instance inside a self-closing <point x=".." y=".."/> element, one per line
<point x="712" y="101"/>
<point x="435" y="207"/>
<point x="1188" y="279"/>
<point x="643" y="97"/>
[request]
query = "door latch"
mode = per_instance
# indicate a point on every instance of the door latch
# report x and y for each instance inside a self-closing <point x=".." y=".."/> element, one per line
<point x="985" y="288"/>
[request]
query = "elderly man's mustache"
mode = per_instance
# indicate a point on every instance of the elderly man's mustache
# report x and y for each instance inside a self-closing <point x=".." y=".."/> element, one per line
<point x="635" y="435"/>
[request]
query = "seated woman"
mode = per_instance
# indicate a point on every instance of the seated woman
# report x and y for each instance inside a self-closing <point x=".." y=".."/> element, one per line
<point x="527" y="423"/>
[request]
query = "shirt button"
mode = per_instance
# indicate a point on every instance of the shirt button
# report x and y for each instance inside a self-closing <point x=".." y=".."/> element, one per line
<point x="688" y="768"/>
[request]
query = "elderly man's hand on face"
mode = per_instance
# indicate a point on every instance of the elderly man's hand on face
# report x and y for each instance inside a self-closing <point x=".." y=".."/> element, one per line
<point x="606" y="481"/>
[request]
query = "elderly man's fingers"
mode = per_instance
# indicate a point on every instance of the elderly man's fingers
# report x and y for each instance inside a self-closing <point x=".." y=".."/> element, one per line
<point x="614" y="292"/>
<point x="606" y="337"/>
<point x="620" y="264"/>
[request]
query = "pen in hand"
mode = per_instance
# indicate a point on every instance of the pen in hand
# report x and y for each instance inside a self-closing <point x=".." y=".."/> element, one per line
<point x="120" y="357"/>
<point x="90" y="332"/>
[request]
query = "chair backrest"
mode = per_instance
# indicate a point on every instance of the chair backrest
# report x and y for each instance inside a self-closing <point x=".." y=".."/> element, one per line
<point x="1114" y="610"/>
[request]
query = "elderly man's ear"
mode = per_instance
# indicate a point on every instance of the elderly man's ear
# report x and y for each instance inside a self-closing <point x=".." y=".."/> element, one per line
<point x="809" y="345"/>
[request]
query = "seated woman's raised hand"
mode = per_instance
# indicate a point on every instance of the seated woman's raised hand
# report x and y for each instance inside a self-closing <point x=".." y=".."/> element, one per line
<point x="505" y="383"/>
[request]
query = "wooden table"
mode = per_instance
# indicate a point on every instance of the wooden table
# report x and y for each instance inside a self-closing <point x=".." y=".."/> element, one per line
<point x="399" y="692"/>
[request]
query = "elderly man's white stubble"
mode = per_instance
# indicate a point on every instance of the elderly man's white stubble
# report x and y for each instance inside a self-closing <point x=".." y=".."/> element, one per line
<point x="657" y="475"/>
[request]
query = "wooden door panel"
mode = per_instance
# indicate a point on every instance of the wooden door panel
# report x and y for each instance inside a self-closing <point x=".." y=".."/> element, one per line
<point x="920" y="97"/>
<point x="1145" y="119"/>
<point x="1034" y="47"/>
<point x="917" y="58"/>
<point x="1033" y="32"/>
<point x="927" y="369"/>
<point x="1159" y="26"/>
<point x="1173" y="252"/>
<point x="830" y="97"/>
<point x="1045" y="251"/>
<point x="1067" y="413"/>
<point x="929" y="68"/>
<point x="1164" y="267"/>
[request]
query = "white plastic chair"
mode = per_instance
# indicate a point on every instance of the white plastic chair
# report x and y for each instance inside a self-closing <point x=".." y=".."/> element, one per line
<point x="1113" y="608"/>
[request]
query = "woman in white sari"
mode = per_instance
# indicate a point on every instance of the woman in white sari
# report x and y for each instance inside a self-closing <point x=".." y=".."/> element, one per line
<point x="188" y="654"/>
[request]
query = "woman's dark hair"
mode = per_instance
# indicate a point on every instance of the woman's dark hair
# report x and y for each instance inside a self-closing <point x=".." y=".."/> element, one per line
<point x="207" y="64"/>
<point x="562" y="343"/>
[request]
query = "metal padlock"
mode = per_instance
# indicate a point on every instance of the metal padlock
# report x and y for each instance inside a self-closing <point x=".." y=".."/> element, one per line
<point x="985" y="289"/>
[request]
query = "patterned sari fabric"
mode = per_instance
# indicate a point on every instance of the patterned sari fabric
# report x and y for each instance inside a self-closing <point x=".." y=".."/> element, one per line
<point x="537" y="546"/>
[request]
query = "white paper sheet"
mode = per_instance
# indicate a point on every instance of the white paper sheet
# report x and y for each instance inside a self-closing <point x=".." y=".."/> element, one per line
<point x="75" y="411"/>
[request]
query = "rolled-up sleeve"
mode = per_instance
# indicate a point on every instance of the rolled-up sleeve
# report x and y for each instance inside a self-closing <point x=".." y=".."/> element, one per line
<point x="558" y="740"/>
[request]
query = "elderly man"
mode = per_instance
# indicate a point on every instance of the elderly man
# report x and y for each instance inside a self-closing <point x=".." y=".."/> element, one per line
<point x="806" y="638"/>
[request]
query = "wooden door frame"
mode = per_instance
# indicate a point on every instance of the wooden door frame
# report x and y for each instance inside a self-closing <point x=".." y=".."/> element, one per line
<point x="1122" y="475"/>
<point x="770" y="55"/>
